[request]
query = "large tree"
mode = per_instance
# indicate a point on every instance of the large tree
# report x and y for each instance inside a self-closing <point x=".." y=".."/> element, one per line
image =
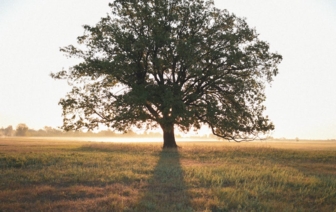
<point x="172" y="64"/>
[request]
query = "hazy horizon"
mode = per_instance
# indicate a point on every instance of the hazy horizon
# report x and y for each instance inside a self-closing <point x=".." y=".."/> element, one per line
<point x="300" y="102"/>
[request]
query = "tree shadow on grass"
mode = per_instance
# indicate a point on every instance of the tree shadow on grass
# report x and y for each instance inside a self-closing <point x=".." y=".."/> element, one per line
<point x="166" y="190"/>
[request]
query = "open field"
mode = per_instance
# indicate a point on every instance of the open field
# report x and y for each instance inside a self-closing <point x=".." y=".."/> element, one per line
<point x="65" y="175"/>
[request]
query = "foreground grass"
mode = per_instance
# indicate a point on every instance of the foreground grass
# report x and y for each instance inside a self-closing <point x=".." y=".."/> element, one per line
<point x="73" y="176"/>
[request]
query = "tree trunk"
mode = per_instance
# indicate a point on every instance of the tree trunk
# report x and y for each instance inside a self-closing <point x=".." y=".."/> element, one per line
<point x="169" y="137"/>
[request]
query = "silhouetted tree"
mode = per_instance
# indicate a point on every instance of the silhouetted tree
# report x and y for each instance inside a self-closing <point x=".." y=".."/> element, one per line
<point x="8" y="131"/>
<point x="170" y="63"/>
<point x="21" y="130"/>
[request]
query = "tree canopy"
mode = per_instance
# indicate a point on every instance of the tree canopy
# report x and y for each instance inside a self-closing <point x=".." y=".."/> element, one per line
<point x="160" y="63"/>
<point x="21" y="130"/>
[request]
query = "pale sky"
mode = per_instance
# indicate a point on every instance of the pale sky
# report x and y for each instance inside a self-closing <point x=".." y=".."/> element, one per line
<point x="301" y="101"/>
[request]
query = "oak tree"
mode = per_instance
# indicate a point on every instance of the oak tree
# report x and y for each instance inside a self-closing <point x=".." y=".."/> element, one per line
<point x="169" y="64"/>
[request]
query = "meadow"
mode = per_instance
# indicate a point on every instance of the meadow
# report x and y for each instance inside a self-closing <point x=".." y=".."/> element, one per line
<point x="65" y="175"/>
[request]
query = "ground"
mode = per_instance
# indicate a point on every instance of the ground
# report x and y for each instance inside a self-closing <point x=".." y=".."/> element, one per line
<point x="67" y="175"/>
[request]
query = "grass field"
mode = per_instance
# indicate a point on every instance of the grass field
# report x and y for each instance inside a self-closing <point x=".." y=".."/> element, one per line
<point x="55" y="175"/>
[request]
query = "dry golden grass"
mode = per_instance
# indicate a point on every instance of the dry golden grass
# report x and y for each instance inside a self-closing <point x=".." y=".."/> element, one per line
<point x="65" y="175"/>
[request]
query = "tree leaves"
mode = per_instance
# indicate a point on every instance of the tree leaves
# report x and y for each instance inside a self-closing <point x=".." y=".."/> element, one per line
<point x="184" y="63"/>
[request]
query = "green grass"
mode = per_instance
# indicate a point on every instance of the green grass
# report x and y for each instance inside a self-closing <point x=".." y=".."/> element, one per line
<point x="37" y="175"/>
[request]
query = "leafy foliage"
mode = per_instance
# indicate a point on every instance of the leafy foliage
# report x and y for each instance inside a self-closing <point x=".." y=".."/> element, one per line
<point x="169" y="63"/>
<point x="8" y="131"/>
<point x="21" y="130"/>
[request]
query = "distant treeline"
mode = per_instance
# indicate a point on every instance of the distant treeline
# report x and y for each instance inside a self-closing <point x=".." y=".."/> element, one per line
<point x="24" y="130"/>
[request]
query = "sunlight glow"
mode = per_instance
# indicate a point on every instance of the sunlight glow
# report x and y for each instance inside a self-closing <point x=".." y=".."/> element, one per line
<point x="300" y="102"/>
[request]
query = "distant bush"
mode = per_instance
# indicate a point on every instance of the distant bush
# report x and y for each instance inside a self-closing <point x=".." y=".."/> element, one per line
<point x="21" y="130"/>
<point x="8" y="131"/>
